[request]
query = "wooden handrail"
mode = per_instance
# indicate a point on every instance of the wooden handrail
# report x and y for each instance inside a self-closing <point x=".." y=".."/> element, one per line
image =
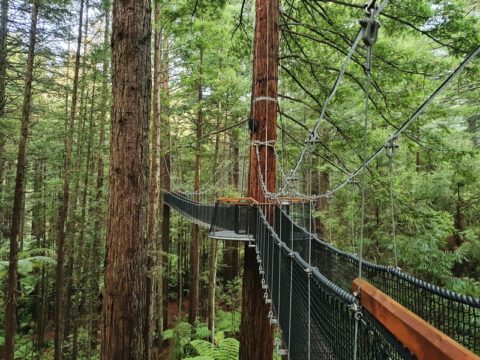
<point x="421" y="338"/>
<point x="237" y="201"/>
<point x="250" y="200"/>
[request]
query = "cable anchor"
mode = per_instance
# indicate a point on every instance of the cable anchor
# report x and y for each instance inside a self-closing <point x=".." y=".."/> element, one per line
<point x="391" y="146"/>
<point x="312" y="138"/>
<point x="370" y="27"/>
<point x="266" y="298"/>
<point x="351" y="180"/>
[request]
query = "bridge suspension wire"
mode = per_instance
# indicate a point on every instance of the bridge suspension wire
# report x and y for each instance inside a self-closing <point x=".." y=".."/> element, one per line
<point x="370" y="28"/>
<point x="403" y="127"/>
<point x="209" y="188"/>
<point x="313" y="135"/>
<point x="310" y="214"/>
<point x="390" y="154"/>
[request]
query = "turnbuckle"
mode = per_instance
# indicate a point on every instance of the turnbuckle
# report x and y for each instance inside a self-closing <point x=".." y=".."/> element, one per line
<point x="370" y="25"/>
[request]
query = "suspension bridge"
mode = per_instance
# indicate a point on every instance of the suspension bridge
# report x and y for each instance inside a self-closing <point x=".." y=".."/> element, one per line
<point x="311" y="287"/>
<point x="329" y="303"/>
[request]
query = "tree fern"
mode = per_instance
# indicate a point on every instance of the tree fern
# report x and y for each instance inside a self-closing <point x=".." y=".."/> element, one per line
<point x="204" y="348"/>
<point x="202" y="332"/>
<point x="228" y="349"/>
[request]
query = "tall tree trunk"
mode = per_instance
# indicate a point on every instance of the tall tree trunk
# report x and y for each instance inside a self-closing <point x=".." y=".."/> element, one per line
<point x="3" y="78"/>
<point x="11" y="290"/>
<point x="166" y="168"/>
<point x="39" y="233"/>
<point x="212" y="274"/>
<point x="256" y="341"/>
<point x="72" y="216"/>
<point x="154" y="174"/>
<point x="230" y="252"/>
<point x="181" y="243"/>
<point x="195" y="244"/>
<point x="99" y="213"/>
<point x="63" y="212"/>
<point x="78" y="308"/>
<point x="124" y="302"/>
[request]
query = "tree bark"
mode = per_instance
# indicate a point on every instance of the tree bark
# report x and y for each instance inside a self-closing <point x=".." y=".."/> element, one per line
<point x="166" y="168"/>
<point x="71" y="248"/>
<point x="63" y="211"/>
<point x="195" y="244"/>
<point x="154" y="173"/>
<point x="38" y="233"/>
<point x="99" y="196"/>
<point x="11" y="289"/>
<point x="3" y="78"/>
<point x="230" y="252"/>
<point x="212" y="274"/>
<point x="124" y="302"/>
<point x="78" y="308"/>
<point x="256" y="340"/>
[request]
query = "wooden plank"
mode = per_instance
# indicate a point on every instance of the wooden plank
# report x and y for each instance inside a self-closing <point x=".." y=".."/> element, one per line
<point x="421" y="338"/>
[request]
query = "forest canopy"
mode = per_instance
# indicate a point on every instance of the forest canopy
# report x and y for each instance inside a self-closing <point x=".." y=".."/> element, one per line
<point x="60" y="119"/>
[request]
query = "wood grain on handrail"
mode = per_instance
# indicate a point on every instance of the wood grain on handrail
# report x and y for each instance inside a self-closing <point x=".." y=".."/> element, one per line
<point x="421" y="338"/>
<point x="237" y="201"/>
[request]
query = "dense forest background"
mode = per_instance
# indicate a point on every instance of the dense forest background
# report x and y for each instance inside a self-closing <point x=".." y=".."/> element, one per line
<point x="55" y="99"/>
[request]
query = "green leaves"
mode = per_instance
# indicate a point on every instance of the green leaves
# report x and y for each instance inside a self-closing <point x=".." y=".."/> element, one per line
<point x="187" y="341"/>
<point x="227" y="349"/>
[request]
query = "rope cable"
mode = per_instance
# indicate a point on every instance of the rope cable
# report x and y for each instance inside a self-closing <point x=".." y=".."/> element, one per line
<point x="390" y="154"/>
<point x="405" y="125"/>
<point x="310" y="255"/>
<point x="267" y="94"/>
<point x="312" y="136"/>
<point x="365" y="149"/>
<point x="368" y="68"/>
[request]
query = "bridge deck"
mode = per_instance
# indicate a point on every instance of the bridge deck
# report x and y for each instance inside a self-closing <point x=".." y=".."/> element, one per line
<point x="230" y="236"/>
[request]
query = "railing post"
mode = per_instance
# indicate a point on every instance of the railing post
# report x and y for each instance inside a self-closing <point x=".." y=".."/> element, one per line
<point x="237" y="219"/>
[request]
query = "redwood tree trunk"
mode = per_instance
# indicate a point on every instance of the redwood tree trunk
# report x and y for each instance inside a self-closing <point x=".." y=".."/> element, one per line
<point x="98" y="210"/>
<point x="195" y="244"/>
<point x="11" y="290"/>
<point x="256" y="341"/>
<point x="3" y="76"/>
<point x="154" y="174"/>
<point x="124" y="302"/>
<point x="230" y="252"/>
<point x="38" y="233"/>
<point x="63" y="212"/>
<point x="166" y="168"/>
<point x="212" y="273"/>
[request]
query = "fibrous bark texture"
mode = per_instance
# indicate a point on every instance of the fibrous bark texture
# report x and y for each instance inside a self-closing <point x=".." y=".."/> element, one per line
<point x="124" y="303"/>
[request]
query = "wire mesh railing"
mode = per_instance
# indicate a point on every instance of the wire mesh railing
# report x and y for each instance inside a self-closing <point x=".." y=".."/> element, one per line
<point x="318" y="292"/>
<point x="198" y="213"/>
<point x="318" y="319"/>
<point x="217" y="217"/>
<point x="456" y="315"/>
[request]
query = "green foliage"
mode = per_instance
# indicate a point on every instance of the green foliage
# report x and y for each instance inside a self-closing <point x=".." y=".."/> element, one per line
<point x="227" y="349"/>
<point x="187" y="341"/>
<point x="202" y="332"/>
<point x="228" y="322"/>
<point x="436" y="172"/>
